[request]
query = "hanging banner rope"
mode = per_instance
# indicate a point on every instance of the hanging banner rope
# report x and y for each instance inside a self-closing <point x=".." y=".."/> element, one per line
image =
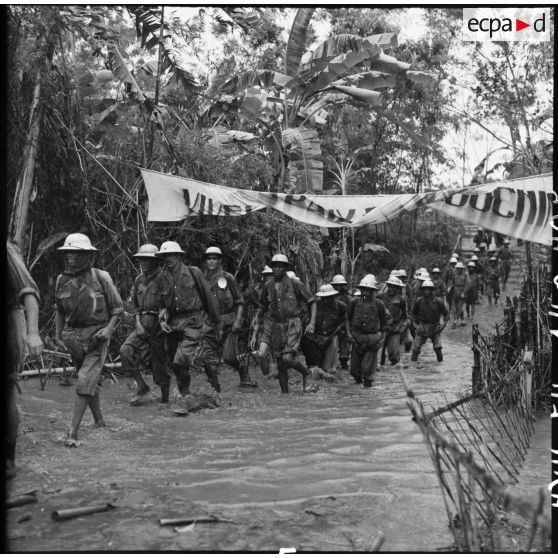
<point x="520" y="208"/>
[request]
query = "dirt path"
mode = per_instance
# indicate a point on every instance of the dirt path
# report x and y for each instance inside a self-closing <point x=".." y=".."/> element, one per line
<point x="318" y="472"/>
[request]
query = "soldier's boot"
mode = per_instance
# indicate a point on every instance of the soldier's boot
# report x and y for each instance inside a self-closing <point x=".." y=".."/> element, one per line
<point x="383" y="359"/>
<point x="245" y="379"/>
<point x="414" y="356"/>
<point x="343" y="362"/>
<point x="439" y="355"/>
<point x="283" y="375"/>
<point x="213" y="376"/>
<point x="367" y="383"/>
<point x="408" y="346"/>
<point x="165" y="390"/>
<point x="264" y="365"/>
<point x="182" y="375"/>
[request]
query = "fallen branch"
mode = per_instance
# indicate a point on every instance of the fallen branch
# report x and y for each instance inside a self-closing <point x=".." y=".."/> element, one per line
<point x="197" y="519"/>
<point x="35" y="373"/>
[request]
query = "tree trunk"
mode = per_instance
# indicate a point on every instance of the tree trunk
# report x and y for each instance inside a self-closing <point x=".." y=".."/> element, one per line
<point x="24" y="186"/>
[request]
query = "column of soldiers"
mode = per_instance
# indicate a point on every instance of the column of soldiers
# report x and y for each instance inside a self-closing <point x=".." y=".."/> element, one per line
<point x="184" y="316"/>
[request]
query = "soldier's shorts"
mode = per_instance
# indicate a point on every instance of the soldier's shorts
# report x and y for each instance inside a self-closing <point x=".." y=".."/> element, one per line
<point x="188" y="342"/>
<point x="86" y="353"/>
<point x="282" y="337"/>
<point x="425" y="332"/>
<point x="135" y="351"/>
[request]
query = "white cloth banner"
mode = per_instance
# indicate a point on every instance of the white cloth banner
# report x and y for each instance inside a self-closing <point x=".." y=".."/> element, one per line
<point x="519" y="208"/>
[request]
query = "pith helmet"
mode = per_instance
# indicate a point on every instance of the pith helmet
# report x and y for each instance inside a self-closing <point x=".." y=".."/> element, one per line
<point x="453" y="260"/>
<point x="459" y="265"/>
<point x="77" y="242"/>
<point x="395" y="281"/>
<point x="506" y="241"/>
<point x="436" y="270"/>
<point x="213" y="250"/>
<point x="279" y="259"/>
<point x="474" y="258"/>
<point x="476" y="249"/>
<point x="170" y="247"/>
<point x="326" y="290"/>
<point x="356" y="293"/>
<point x="455" y="255"/>
<point x="338" y="280"/>
<point x="471" y="264"/>
<point x="292" y="275"/>
<point x="428" y="284"/>
<point x="147" y="251"/>
<point x="482" y="245"/>
<point x="402" y="273"/>
<point x="368" y="282"/>
<point x="493" y="259"/>
<point x="267" y="270"/>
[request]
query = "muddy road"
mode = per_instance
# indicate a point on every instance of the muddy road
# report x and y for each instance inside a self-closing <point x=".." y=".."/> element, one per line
<point x="324" y="471"/>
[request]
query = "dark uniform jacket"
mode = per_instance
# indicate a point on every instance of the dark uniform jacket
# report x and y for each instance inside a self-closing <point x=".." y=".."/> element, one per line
<point x="88" y="299"/>
<point x="229" y="297"/>
<point x="439" y="288"/>
<point x="366" y="317"/>
<point x="328" y="319"/>
<point x="187" y="294"/>
<point x="284" y="299"/>
<point x="397" y="308"/>
<point x="144" y="299"/>
<point x="428" y="311"/>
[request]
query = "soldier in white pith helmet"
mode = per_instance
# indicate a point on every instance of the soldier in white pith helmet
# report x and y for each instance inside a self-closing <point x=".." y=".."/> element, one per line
<point x="186" y="305"/>
<point x="88" y="306"/>
<point x="146" y="340"/>
<point x="366" y="322"/>
<point x="231" y="304"/>
<point x="339" y="283"/>
<point x="282" y="300"/>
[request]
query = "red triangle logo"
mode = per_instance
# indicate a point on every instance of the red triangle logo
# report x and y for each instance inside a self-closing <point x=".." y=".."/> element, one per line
<point x="519" y="25"/>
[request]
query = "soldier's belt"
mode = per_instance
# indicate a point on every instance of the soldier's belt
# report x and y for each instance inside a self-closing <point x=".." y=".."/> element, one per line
<point x="149" y="313"/>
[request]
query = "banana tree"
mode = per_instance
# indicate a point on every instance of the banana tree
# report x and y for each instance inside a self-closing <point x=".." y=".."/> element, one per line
<point x="291" y="105"/>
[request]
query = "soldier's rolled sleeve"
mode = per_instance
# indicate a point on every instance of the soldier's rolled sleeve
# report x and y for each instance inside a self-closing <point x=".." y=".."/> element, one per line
<point x="114" y="300"/>
<point x="207" y="297"/>
<point x="133" y="304"/>
<point x="235" y="291"/>
<point x="19" y="276"/>
<point x="303" y="293"/>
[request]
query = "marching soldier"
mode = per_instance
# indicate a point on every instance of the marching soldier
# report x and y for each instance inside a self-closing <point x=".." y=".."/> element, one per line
<point x="323" y="344"/>
<point x="406" y="334"/>
<point x="184" y="299"/>
<point x="22" y="336"/>
<point x="147" y="338"/>
<point x="426" y="314"/>
<point x="231" y="305"/>
<point x="88" y="306"/>
<point x="282" y="298"/>
<point x="396" y="305"/>
<point x="505" y="255"/>
<point x="439" y="285"/>
<point x="257" y="323"/>
<point x="340" y="285"/>
<point x="460" y="284"/>
<point x="366" y="320"/>
<point x="472" y="290"/>
<point x="492" y="281"/>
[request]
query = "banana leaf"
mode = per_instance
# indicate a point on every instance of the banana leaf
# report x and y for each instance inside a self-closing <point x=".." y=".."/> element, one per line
<point x="305" y="165"/>
<point x="385" y="63"/>
<point x="121" y="71"/>
<point x="296" y="44"/>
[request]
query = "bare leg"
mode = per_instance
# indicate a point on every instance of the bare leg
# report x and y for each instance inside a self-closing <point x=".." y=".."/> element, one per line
<point x="80" y="404"/>
<point x="95" y="406"/>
